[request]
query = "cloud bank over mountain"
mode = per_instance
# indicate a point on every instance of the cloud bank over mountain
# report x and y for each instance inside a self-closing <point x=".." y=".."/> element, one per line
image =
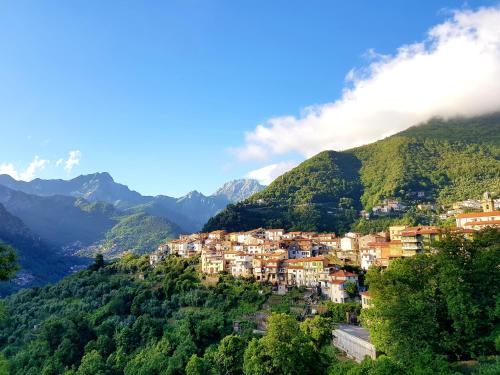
<point x="29" y="173"/>
<point x="455" y="71"/>
<point x="267" y="174"/>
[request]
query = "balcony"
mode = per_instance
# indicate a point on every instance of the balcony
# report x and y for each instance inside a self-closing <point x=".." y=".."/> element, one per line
<point x="412" y="246"/>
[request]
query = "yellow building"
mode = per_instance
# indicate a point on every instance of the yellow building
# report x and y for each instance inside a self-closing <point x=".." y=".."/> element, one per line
<point x="212" y="264"/>
<point x="395" y="232"/>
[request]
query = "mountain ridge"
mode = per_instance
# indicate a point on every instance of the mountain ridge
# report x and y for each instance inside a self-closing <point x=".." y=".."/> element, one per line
<point x="190" y="211"/>
<point x="238" y="190"/>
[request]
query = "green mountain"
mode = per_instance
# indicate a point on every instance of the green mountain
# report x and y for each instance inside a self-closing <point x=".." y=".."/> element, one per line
<point x="321" y="190"/>
<point x="138" y="233"/>
<point x="440" y="161"/>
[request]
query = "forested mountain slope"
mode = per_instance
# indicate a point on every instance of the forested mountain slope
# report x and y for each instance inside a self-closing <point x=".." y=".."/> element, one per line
<point x="439" y="161"/>
<point x="323" y="188"/>
<point x="39" y="262"/>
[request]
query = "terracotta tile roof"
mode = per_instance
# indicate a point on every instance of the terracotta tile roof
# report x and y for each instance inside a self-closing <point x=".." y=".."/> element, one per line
<point x="365" y="294"/>
<point x="479" y="214"/>
<point x="463" y="230"/>
<point x="484" y="222"/>
<point x="413" y="231"/>
<point x="343" y="273"/>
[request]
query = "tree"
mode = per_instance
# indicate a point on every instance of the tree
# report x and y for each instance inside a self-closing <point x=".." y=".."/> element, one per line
<point x="319" y="329"/>
<point x="285" y="349"/>
<point x="99" y="261"/>
<point x="443" y="303"/>
<point x="351" y="287"/>
<point x="229" y="355"/>
<point x="8" y="262"/>
<point x="197" y="366"/>
<point x="338" y="312"/>
<point x="92" y="364"/>
<point x="4" y="365"/>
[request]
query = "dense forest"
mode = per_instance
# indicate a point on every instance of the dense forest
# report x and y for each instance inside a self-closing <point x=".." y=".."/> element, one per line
<point x="128" y="318"/>
<point x="438" y="162"/>
<point x="323" y="190"/>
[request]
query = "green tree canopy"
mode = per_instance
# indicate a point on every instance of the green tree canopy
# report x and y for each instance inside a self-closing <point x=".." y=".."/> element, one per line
<point x="8" y="262"/>
<point x="445" y="303"/>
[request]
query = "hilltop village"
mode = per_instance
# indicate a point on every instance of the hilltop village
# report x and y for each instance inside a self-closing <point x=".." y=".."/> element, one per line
<point x="319" y="261"/>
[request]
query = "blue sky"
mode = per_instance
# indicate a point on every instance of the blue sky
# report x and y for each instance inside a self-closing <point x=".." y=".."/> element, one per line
<point x="158" y="93"/>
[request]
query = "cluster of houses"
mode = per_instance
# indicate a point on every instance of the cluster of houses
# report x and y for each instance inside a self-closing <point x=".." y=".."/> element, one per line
<point x="310" y="259"/>
<point x="487" y="203"/>
<point x="387" y="207"/>
<point x="394" y="206"/>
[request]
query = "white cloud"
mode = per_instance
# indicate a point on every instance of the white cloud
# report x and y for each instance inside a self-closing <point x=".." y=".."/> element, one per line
<point x="267" y="174"/>
<point x="73" y="159"/>
<point x="28" y="174"/>
<point x="454" y="71"/>
<point x="8" y="168"/>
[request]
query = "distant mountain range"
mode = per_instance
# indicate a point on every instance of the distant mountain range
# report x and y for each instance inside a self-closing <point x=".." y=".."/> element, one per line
<point x="190" y="212"/>
<point x="93" y="187"/>
<point x="52" y="220"/>
<point x="441" y="161"/>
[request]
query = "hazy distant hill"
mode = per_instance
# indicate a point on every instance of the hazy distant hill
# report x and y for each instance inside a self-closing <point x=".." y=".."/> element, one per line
<point x="40" y="263"/>
<point x="444" y="161"/>
<point x="190" y="212"/>
<point x="60" y="220"/>
<point x="69" y="223"/>
<point x="238" y="190"/>
<point x="92" y="187"/>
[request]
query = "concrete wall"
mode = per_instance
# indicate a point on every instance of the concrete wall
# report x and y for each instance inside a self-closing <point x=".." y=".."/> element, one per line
<point x="354" y="347"/>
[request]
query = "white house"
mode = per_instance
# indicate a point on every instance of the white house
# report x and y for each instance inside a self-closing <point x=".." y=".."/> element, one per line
<point x="274" y="234"/>
<point x="478" y="220"/>
<point x="349" y="242"/>
<point x="337" y="290"/>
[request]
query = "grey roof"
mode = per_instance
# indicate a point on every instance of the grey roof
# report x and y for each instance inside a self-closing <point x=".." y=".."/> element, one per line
<point x="355" y="331"/>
